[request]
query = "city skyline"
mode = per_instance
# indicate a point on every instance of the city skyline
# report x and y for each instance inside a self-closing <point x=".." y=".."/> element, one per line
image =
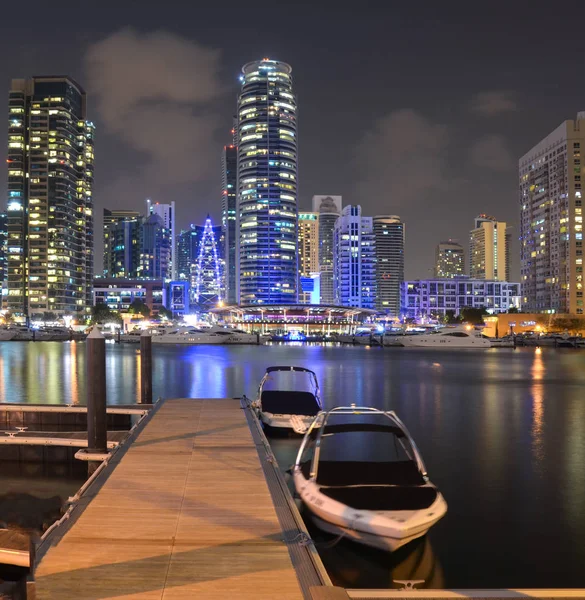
<point x="488" y="116"/>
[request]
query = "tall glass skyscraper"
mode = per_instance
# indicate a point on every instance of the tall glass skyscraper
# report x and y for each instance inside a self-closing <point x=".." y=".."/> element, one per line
<point x="389" y="235"/>
<point x="267" y="185"/>
<point x="329" y="209"/>
<point x="229" y="171"/>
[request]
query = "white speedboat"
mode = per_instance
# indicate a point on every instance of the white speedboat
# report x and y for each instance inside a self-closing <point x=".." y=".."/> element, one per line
<point x="360" y="475"/>
<point x="189" y="335"/>
<point x="448" y="337"/>
<point x="288" y="399"/>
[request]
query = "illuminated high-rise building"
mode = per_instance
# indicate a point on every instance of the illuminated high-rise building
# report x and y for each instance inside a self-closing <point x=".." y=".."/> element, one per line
<point x="267" y="185"/>
<point x="122" y="242"/>
<point x="3" y="247"/>
<point x="489" y="255"/>
<point x="551" y="221"/>
<point x="329" y="209"/>
<point x="229" y="171"/>
<point x="155" y="254"/>
<point x="188" y="250"/>
<point x="50" y="205"/>
<point x="354" y="259"/>
<point x="167" y="214"/>
<point x="389" y="236"/>
<point x="449" y="260"/>
<point x="308" y="255"/>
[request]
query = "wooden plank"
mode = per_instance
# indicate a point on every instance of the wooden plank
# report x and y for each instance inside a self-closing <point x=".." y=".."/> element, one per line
<point x="185" y="514"/>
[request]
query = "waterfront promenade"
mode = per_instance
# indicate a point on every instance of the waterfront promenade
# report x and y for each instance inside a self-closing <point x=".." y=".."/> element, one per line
<point x="183" y="512"/>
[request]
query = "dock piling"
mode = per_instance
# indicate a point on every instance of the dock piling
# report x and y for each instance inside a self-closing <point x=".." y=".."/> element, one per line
<point x="97" y="439"/>
<point x="146" y="368"/>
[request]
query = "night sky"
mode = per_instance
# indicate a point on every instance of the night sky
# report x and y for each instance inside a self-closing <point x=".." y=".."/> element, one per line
<point x="418" y="109"/>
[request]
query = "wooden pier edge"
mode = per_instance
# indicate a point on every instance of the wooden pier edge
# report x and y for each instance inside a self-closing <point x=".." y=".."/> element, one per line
<point x="309" y="568"/>
<point x="59" y="529"/>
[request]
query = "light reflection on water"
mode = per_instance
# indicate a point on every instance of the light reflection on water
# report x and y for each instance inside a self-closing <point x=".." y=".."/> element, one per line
<point x="502" y="433"/>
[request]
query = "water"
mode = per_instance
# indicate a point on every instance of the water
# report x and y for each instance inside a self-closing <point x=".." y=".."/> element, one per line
<point x="502" y="433"/>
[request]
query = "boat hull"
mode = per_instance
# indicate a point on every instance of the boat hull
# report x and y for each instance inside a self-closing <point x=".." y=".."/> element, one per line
<point x="187" y="340"/>
<point x="386" y="530"/>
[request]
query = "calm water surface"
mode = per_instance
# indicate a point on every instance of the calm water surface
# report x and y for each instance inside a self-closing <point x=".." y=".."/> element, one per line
<point x="502" y="433"/>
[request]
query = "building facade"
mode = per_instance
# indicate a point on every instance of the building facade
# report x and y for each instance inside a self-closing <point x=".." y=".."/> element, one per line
<point x="449" y="260"/>
<point x="3" y="248"/>
<point x="155" y="253"/>
<point x="122" y="243"/>
<point x="489" y="245"/>
<point x="389" y="242"/>
<point x="329" y="209"/>
<point x="432" y="298"/>
<point x="188" y="250"/>
<point x="551" y="221"/>
<point x="308" y="255"/>
<point x="229" y="174"/>
<point x="354" y="259"/>
<point x="50" y="204"/>
<point x="267" y="185"/>
<point x="118" y="294"/>
<point x="167" y="214"/>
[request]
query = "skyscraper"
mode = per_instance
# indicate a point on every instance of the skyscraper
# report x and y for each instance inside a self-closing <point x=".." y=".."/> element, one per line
<point x="354" y="259"/>
<point x="328" y="209"/>
<point x="389" y="236"/>
<point x="267" y="185"/>
<point x="308" y="254"/>
<point x="50" y="204"/>
<point x="488" y="250"/>
<point x="167" y="213"/>
<point x="208" y="269"/>
<point x="229" y="171"/>
<point x="551" y="221"/>
<point x="122" y="242"/>
<point x="3" y="248"/>
<point x="188" y="250"/>
<point x="155" y="255"/>
<point x="449" y="260"/>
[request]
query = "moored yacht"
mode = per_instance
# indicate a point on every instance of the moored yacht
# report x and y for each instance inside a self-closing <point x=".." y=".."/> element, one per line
<point x="236" y="336"/>
<point x="7" y="333"/>
<point x="189" y="335"/>
<point x="448" y="337"/>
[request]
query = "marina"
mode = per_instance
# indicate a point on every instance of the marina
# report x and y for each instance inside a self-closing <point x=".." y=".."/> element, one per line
<point x="448" y="395"/>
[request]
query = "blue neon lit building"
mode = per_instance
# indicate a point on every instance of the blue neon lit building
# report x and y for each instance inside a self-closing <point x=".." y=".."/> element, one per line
<point x="267" y="185"/>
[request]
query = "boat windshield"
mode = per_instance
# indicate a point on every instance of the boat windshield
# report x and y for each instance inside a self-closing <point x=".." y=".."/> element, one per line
<point x="290" y="390"/>
<point x="361" y="450"/>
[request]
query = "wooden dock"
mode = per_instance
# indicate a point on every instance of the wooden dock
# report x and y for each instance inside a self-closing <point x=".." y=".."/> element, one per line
<point x="184" y="511"/>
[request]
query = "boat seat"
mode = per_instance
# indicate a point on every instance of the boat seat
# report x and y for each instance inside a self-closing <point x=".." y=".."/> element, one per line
<point x="410" y="497"/>
<point x="341" y="473"/>
<point x="289" y="403"/>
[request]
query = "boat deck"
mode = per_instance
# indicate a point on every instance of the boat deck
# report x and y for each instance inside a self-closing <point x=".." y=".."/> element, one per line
<point x="182" y="512"/>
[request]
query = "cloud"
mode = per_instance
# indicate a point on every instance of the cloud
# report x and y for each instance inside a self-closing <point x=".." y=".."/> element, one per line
<point x="491" y="104"/>
<point x="491" y="152"/>
<point x="402" y="159"/>
<point x="155" y="93"/>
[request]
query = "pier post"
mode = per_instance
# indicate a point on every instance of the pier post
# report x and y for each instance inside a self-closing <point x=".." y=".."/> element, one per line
<point x="145" y="368"/>
<point x="97" y="435"/>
